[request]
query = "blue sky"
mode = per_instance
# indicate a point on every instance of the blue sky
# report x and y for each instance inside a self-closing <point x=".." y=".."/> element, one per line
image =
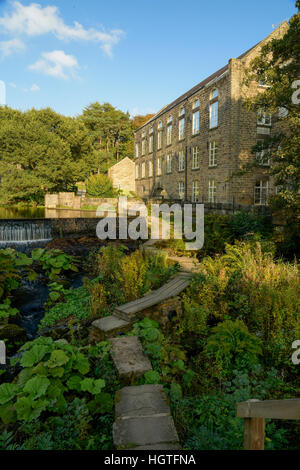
<point x="137" y="55"/>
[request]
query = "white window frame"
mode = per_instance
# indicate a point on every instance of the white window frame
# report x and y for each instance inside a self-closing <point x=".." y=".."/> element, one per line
<point x="181" y="160"/>
<point x="213" y="152"/>
<point x="261" y="193"/>
<point x="169" y="134"/>
<point x="214" y="115"/>
<point x="212" y="191"/>
<point x="195" y="158"/>
<point x="143" y="146"/>
<point x="264" y="118"/>
<point x="181" y="189"/>
<point x="136" y="171"/>
<point x="263" y="156"/>
<point x="196" y="104"/>
<point x="151" y="143"/>
<point x="150" y="169"/>
<point x="169" y="163"/>
<point x="196" y="122"/>
<point x="214" y="94"/>
<point x="136" y="150"/>
<point x="195" y="191"/>
<point x="159" y="166"/>
<point x="143" y="170"/>
<point x="181" y="129"/>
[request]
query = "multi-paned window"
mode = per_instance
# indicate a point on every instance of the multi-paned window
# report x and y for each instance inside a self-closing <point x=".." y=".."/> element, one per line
<point x="150" y="169"/>
<point x="195" y="158"/>
<point x="159" y="136"/>
<point x="196" y="104"/>
<point x="181" y="160"/>
<point x="195" y="191"/>
<point x="213" y="152"/>
<point x="181" y="189"/>
<point x="212" y="191"/>
<point x="169" y="163"/>
<point x="196" y="122"/>
<point x="159" y="166"/>
<point x="143" y="170"/>
<point x="136" y="171"/>
<point x="181" y="128"/>
<point x="261" y="192"/>
<point x="143" y="143"/>
<point x="264" y="118"/>
<point x="169" y="130"/>
<point x="182" y="111"/>
<point x="151" y="140"/>
<point x="213" y="114"/>
<point x="263" y="153"/>
<point x="136" y="150"/>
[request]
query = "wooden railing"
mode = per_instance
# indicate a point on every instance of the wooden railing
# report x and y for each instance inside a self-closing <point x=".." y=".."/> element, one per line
<point x="255" y="413"/>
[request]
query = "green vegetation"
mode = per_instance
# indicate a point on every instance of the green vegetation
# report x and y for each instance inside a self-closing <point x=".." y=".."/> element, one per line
<point x="100" y="186"/>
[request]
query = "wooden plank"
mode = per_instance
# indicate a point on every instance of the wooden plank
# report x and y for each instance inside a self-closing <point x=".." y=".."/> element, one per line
<point x="273" y="409"/>
<point x="254" y="433"/>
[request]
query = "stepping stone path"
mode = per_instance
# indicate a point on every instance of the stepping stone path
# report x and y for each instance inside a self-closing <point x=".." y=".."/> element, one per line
<point x="129" y="358"/>
<point x="143" y="419"/>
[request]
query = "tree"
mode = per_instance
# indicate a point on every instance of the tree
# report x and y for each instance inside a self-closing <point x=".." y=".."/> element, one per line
<point x="278" y="66"/>
<point x="100" y="186"/>
<point x="140" y="120"/>
<point x="111" y="133"/>
<point x="41" y="151"/>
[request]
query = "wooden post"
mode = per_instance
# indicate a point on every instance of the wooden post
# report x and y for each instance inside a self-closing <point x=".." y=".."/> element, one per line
<point x="254" y="434"/>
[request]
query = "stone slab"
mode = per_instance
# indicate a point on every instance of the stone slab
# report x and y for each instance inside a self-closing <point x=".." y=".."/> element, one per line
<point x="129" y="358"/>
<point x="144" y="431"/>
<point x="111" y="323"/>
<point x="142" y="400"/>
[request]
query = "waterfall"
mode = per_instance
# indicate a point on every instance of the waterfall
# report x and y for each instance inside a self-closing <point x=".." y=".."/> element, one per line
<point x="24" y="231"/>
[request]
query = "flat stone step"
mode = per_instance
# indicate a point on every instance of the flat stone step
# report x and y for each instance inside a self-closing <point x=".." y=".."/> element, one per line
<point x="143" y="419"/>
<point x="129" y="358"/>
<point x="108" y="327"/>
<point x="176" y="285"/>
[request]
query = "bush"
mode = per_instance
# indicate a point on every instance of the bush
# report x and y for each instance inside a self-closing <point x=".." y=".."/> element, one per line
<point x="100" y="186"/>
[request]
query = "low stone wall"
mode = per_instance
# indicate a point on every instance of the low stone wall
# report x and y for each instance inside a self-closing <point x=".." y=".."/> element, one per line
<point x="73" y="202"/>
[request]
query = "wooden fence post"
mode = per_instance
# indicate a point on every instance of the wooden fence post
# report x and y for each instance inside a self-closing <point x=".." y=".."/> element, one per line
<point x="254" y="433"/>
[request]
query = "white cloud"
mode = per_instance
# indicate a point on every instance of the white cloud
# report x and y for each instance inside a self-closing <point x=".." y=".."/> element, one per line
<point x="56" y="64"/>
<point x="34" y="20"/>
<point x="35" y="87"/>
<point x="13" y="45"/>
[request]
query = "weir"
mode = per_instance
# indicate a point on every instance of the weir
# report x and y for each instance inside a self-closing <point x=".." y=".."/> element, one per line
<point x="24" y="231"/>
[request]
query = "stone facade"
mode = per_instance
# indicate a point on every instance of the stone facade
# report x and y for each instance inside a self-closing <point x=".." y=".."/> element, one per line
<point x="201" y="165"/>
<point x="122" y="175"/>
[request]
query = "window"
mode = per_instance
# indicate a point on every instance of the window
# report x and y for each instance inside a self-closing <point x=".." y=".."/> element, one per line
<point x="151" y="143"/>
<point x="169" y="134"/>
<point x="212" y="190"/>
<point x="181" y="160"/>
<point x="181" y="189"/>
<point x="213" y="152"/>
<point x="264" y="118"/>
<point x="195" y="191"/>
<point x="158" y="166"/>
<point x="261" y="192"/>
<point x="214" y="94"/>
<point x="262" y="154"/>
<point x="196" y="122"/>
<point x="169" y="163"/>
<point x="143" y="146"/>
<point x="195" y="158"/>
<point x="182" y="111"/>
<point x="170" y="119"/>
<point x="136" y="150"/>
<point x="143" y="170"/>
<point x="213" y="115"/>
<point x="150" y="169"/>
<point x="196" y="104"/>
<point x="136" y="171"/>
<point x="181" y="128"/>
<point x="159" y="135"/>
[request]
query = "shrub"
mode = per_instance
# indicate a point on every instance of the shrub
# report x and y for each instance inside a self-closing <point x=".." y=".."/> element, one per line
<point x="100" y="185"/>
<point x="231" y="347"/>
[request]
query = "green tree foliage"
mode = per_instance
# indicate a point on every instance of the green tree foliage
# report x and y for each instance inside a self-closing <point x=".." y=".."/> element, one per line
<point x="278" y="67"/>
<point x="111" y="133"/>
<point x="41" y="151"/>
<point x="100" y="185"/>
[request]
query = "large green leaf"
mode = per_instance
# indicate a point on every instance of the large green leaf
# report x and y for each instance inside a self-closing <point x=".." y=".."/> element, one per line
<point x="37" y="386"/>
<point x="82" y="364"/>
<point x="34" y="355"/>
<point x="7" y="392"/>
<point x="58" y="358"/>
